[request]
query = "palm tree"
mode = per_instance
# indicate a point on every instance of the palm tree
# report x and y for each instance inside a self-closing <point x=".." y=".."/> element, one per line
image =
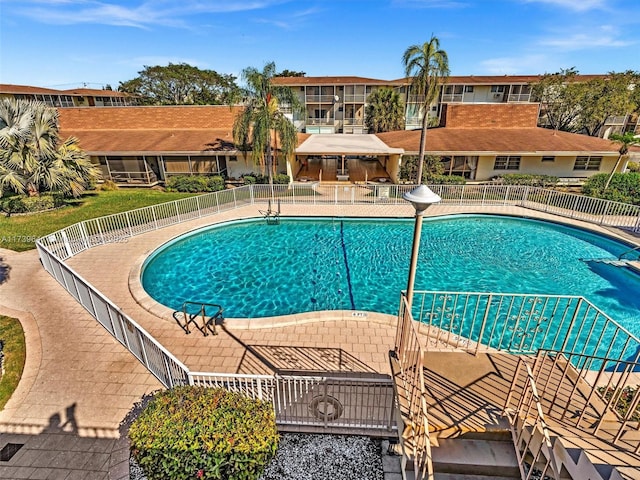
<point x="262" y="122"/>
<point x="384" y="111"/>
<point x="427" y="64"/>
<point x="624" y="141"/>
<point x="31" y="159"/>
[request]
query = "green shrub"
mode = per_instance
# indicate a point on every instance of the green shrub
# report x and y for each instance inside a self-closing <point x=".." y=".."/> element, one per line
<point x="195" y="183"/>
<point x="446" y="179"/>
<point x="25" y="204"/>
<point x="196" y="432"/>
<point x="281" y="179"/>
<point x="624" y="187"/>
<point x="633" y="166"/>
<point x="109" y="186"/>
<point x="258" y="178"/>
<point x="527" y="179"/>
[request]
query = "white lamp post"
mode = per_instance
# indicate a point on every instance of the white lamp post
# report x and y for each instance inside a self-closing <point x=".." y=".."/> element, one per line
<point x="421" y="198"/>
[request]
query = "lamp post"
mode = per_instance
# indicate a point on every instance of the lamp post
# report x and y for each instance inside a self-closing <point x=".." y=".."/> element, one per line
<point x="421" y="198"/>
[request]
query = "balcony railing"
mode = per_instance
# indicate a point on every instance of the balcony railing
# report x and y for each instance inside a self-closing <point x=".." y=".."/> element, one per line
<point x="320" y="98"/>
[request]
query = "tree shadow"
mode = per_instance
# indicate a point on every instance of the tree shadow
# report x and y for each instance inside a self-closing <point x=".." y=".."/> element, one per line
<point x="5" y="269"/>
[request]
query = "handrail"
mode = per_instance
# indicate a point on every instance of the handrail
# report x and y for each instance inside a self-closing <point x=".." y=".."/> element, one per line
<point x="628" y="251"/>
<point x="534" y="446"/>
<point x="206" y="323"/>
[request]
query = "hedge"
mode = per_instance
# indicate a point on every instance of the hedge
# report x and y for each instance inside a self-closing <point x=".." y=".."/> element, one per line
<point x="526" y="179"/>
<point x="624" y="187"/>
<point x="25" y="204"/>
<point x="258" y="178"/>
<point x="194" y="432"/>
<point x="195" y="183"/>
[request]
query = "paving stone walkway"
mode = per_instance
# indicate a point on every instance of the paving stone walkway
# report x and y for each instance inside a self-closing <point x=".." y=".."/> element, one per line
<point x="79" y="382"/>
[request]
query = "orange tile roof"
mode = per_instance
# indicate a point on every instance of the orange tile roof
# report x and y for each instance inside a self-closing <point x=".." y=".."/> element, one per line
<point x="138" y="130"/>
<point x="29" y="90"/>
<point x="149" y="118"/>
<point x="500" y="140"/>
<point x="340" y="80"/>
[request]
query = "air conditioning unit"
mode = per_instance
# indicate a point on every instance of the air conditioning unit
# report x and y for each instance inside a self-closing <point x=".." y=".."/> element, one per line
<point x="497" y="95"/>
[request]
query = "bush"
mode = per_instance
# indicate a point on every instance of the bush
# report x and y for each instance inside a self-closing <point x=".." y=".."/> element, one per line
<point x="109" y="186"/>
<point x="446" y="180"/>
<point x="526" y="179"/>
<point x="195" y="183"/>
<point x="25" y="204"/>
<point x="196" y="432"/>
<point x="258" y="178"/>
<point x="624" y="187"/>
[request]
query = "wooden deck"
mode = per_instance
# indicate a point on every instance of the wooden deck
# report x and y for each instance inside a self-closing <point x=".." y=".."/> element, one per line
<point x="358" y="170"/>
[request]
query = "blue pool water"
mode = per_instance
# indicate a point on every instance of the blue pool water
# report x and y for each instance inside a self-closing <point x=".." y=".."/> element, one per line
<point x="257" y="270"/>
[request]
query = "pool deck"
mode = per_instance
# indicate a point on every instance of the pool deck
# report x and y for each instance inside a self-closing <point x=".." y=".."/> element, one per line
<point x="79" y="382"/>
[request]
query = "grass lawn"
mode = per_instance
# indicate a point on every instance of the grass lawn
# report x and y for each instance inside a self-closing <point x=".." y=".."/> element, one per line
<point x="14" y="354"/>
<point x="20" y="232"/>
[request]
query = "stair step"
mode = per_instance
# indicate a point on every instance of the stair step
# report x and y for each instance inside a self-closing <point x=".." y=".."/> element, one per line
<point x="475" y="457"/>
<point x="457" y="476"/>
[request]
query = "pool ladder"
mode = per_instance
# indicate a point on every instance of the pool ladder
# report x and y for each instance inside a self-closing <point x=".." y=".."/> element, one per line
<point x="208" y="321"/>
<point x="271" y="216"/>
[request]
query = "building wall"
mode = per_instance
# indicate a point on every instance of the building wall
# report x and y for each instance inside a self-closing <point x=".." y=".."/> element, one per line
<point x="561" y="167"/>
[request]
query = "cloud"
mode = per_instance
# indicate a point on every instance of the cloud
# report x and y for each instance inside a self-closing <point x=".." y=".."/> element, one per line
<point x="576" y="5"/>
<point x="604" y="36"/>
<point x="520" y="65"/>
<point x="295" y="19"/>
<point x="141" y="14"/>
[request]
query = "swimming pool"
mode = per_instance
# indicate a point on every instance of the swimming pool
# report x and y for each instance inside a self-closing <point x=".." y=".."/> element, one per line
<point x="307" y="264"/>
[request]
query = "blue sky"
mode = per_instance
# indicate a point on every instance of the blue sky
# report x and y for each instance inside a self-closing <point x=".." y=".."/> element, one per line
<point x="67" y="43"/>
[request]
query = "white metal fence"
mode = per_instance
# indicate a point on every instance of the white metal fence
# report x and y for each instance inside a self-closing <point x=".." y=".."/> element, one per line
<point x="339" y="403"/>
<point x="521" y="324"/>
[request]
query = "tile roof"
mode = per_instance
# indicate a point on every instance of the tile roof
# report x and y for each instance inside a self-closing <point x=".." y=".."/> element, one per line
<point x="503" y="140"/>
<point x="340" y="80"/>
<point x="30" y="90"/>
<point x="139" y="130"/>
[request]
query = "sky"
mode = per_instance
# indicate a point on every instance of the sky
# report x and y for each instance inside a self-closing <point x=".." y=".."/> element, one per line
<point x="73" y="43"/>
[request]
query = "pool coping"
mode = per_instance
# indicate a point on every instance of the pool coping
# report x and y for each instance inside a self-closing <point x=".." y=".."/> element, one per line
<point x="152" y="306"/>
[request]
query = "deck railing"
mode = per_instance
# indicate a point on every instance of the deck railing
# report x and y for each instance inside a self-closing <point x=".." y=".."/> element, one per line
<point x="520" y="324"/>
<point x="410" y="356"/>
<point x="339" y="403"/>
<point x="598" y="395"/>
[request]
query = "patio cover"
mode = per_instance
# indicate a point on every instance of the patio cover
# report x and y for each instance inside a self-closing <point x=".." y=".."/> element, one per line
<point x="345" y="144"/>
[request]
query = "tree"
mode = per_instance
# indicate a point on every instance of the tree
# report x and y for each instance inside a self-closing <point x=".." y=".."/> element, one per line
<point x="32" y="159"/>
<point x="606" y="97"/>
<point x="182" y="84"/>
<point x="428" y="65"/>
<point x="262" y="123"/>
<point x="384" y="111"/>
<point x="290" y="73"/>
<point x="433" y="168"/>
<point x="561" y="99"/>
<point x="624" y="141"/>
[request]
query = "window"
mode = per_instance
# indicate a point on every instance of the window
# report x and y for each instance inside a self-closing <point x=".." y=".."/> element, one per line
<point x="497" y="88"/>
<point x="233" y="158"/>
<point x="504" y="162"/>
<point x="468" y="89"/>
<point x="587" y="163"/>
<point x="548" y="158"/>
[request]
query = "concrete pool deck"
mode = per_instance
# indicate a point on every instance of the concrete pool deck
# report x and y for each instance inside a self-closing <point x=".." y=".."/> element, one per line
<point x="79" y="382"/>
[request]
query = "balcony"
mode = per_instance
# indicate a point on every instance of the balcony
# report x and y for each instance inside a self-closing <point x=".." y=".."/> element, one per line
<point x="320" y="121"/>
<point x="452" y="97"/>
<point x="519" y="97"/>
<point x="359" y="98"/>
<point x="320" y="99"/>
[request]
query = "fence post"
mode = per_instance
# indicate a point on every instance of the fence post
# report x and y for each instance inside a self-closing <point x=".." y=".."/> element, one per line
<point x="177" y="211"/>
<point x="235" y="200"/>
<point x="525" y="196"/>
<point x="251" y="194"/>
<point x="484" y="323"/>
<point x="129" y="224"/>
<point x="198" y="206"/>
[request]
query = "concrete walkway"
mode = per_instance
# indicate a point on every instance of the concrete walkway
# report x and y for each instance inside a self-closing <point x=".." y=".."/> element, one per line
<point x="79" y="382"/>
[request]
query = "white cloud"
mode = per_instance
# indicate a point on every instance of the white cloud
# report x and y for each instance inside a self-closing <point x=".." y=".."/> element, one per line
<point x="576" y="5"/>
<point x="520" y="65"/>
<point x="143" y="14"/>
<point x="295" y="19"/>
<point x="604" y="36"/>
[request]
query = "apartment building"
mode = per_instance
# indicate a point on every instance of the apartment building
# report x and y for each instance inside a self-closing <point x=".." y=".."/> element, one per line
<point x="77" y="97"/>
<point x="337" y="104"/>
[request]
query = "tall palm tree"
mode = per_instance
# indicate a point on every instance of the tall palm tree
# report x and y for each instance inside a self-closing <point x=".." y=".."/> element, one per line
<point x="262" y="123"/>
<point x="428" y="65"/>
<point x="384" y="111"/>
<point x="31" y="159"/>
<point x="624" y="141"/>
